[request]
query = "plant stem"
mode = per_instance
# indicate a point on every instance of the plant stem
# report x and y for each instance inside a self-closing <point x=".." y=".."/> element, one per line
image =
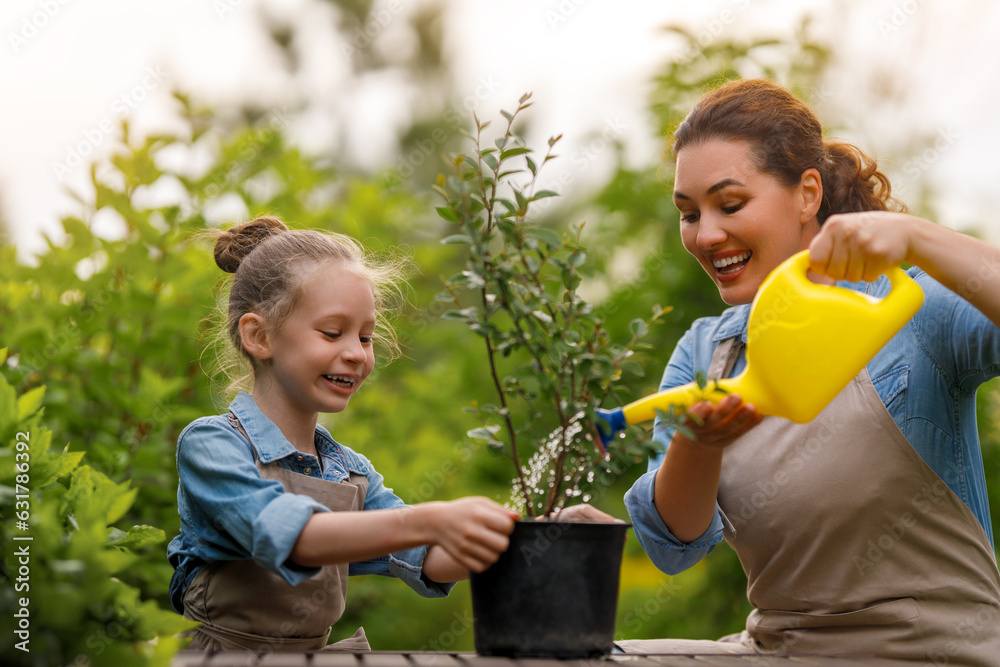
<point x="508" y="422"/>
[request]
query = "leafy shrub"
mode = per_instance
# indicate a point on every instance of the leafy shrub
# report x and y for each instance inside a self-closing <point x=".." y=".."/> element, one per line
<point x="549" y="358"/>
<point x="63" y="557"/>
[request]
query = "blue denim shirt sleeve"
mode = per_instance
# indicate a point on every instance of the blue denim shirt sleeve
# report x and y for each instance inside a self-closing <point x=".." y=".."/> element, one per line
<point x="241" y="515"/>
<point x="667" y="552"/>
<point x="963" y="343"/>
<point x="405" y="565"/>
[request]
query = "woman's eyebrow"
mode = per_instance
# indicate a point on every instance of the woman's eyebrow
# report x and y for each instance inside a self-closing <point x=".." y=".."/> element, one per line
<point x="724" y="183"/>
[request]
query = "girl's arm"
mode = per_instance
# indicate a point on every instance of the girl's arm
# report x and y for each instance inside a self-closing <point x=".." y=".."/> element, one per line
<point x="860" y="246"/>
<point x="473" y="531"/>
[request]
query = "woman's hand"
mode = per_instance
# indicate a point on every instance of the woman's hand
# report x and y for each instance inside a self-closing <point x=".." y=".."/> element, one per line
<point x="715" y="427"/>
<point x="862" y="246"/>
<point x="583" y="513"/>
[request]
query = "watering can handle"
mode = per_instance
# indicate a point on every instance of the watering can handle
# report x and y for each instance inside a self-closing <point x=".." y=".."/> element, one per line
<point x="903" y="294"/>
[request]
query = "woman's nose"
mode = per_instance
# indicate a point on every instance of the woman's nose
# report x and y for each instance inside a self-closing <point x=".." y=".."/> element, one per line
<point x="710" y="232"/>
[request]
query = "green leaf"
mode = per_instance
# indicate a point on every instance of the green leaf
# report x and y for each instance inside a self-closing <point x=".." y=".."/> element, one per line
<point x="484" y="432"/>
<point x="638" y="327"/>
<point x="137" y="537"/>
<point x="456" y="238"/>
<point x="543" y="194"/>
<point x="546" y="236"/>
<point x="700" y="379"/>
<point x="447" y="213"/>
<point x="514" y="152"/>
<point x="576" y="258"/>
<point x="8" y="409"/>
<point x="633" y="368"/>
<point x="29" y="403"/>
<point x="464" y="315"/>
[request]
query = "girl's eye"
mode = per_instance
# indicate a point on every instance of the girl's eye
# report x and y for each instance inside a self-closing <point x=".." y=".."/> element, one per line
<point x="689" y="217"/>
<point x="331" y="335"/>
<point x="729" y="210"/>
<point x="366" y="340"/>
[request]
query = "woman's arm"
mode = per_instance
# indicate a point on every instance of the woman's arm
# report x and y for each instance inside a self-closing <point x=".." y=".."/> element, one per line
<point x="860" y="246"/>
<point x="473" y="531"/>
<point x="687" y="483"/>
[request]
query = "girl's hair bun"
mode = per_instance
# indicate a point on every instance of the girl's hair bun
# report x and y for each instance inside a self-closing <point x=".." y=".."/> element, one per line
<point x="237" y="242"/>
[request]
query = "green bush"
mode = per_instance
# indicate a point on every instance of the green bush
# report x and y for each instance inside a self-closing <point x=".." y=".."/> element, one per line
<point x="64" y="557"/>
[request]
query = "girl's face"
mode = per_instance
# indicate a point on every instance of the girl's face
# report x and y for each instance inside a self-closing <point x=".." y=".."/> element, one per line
<point x="323" y="351"/>
<point x="737" y="221"/>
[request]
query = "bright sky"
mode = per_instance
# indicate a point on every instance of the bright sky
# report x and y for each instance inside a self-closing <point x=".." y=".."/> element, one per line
<point x="71" y="70"/>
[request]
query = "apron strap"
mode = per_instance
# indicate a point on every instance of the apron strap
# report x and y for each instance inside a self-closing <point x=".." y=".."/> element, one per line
<point x="235" y="421"/>
<point x="724" y="358"/>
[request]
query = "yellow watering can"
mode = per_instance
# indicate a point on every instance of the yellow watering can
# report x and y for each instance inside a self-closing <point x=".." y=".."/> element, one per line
<point x="805" y="342"/>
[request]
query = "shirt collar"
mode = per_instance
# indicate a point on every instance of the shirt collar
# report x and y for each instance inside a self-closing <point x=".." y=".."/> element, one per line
<point x="271" y="444"/>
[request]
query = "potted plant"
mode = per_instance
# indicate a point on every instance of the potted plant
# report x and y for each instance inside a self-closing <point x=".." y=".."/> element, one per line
<point x="551" y="364"/>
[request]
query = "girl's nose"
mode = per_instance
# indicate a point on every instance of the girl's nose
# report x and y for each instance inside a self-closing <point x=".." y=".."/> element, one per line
<point x="356" y="351"/>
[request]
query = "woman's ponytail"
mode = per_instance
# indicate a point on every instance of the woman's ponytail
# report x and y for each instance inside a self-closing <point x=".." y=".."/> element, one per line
<point x="852" y="182"/>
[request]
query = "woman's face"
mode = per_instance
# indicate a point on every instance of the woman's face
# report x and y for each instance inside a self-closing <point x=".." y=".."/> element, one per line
<point x="737" y="221"/>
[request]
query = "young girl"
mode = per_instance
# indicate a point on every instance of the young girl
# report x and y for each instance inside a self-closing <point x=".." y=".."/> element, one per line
<point x="274" y="513"/>
<point x="866" y="531"/>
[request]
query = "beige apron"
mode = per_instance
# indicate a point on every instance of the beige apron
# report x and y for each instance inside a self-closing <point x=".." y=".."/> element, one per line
<point x="241" y="605"/>
<point x="851" y="543"/>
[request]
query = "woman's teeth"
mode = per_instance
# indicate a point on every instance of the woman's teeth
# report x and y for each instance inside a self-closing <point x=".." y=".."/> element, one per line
<point x="720" y="264"/>
<point x="340" y="380"/>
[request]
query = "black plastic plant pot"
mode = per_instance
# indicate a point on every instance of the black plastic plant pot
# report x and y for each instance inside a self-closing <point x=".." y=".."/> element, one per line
<point x="553" y="593"/>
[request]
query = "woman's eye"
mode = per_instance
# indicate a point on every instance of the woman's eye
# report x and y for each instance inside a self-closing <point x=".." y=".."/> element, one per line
<point x="733" y="208"/>
<point x="689" y="217"/>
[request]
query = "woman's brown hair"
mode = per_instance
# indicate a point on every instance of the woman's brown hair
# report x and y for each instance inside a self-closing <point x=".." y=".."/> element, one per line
<point x="787" y="139"/>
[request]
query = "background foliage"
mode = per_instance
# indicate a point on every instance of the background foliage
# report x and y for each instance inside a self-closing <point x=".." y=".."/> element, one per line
<point x="114" y="326"/>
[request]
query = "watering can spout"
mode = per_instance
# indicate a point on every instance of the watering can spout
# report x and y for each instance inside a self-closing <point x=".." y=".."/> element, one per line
<point x="610" y="423"/>
<point x="805" y="342"/>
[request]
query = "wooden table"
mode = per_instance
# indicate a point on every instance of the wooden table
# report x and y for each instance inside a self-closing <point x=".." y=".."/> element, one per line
<point x="401" y="659"/>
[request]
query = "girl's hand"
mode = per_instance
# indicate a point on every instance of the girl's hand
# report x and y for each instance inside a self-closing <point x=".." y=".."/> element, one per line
<point x="474" y="531"/>
<point x="715" y="427"/>
<point x="861" y="246"/>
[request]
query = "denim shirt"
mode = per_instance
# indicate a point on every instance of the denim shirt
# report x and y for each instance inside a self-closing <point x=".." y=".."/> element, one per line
<point x="229" y="512"/>
<point x="926" y="375"/>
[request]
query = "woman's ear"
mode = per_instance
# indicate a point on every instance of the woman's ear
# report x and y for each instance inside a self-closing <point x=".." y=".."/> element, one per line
<point x="253" y="335"/>
<point x="811" y="187"/>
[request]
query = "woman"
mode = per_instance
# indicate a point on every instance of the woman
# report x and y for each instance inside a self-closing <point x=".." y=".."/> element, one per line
<point x="866" y="531"/>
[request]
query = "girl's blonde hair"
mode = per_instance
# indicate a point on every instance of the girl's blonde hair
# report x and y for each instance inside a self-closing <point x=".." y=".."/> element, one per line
<point x="269" y="262"/>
